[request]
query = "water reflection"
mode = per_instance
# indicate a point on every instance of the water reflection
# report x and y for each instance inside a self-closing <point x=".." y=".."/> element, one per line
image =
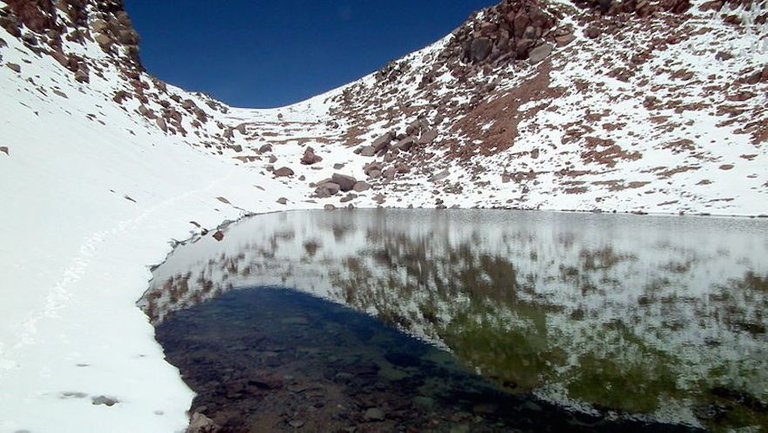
<point x="645" y="315"/>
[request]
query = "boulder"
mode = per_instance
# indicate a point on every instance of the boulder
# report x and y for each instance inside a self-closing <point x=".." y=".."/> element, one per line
<point x="265" y="148"/>
<point x="540" y="53"/>
<point x="104" y="41"/>
<point x="383" y="141"/>
<point x="282" y="200"/>
<point x="283" y="172"/>
<point x="564" y="39"/>
<point x="427" y="137"/>
<point x="327" y="189"/>
<point x="415" y="127"/>
<point x="346" y="183"/>
<point x="405" y="144"/>
<point x="14" y="67"/>
<point x="361" y="186"/>
<point x="479" y="49"/>
<point x="368" y="151"/>
<point x="309" y="157"/>
<point x="374" y="166"/>
<point x="390" y="173"/>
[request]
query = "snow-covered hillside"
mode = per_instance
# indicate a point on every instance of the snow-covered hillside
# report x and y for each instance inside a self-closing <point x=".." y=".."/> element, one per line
<point x="649" y="108"/>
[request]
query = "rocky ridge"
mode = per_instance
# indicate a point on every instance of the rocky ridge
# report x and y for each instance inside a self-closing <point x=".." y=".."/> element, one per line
<point x="457" y="124"/>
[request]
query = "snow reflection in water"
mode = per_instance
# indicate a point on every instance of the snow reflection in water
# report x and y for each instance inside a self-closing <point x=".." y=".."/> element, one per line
<point x="661" y="316"/>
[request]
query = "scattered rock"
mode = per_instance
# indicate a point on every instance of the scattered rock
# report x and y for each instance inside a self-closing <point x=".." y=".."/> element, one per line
<point x="104" y="41"/>
<point x="283" y="172"/>
<point x="14" y="67"/>
<point x="405" y="144"/>
<point x="219" y="235"/>
<point x="265" y="148"/>
<point x="104" y="400"/>
<point x="296" y="423"/>
<point x="82" y="76"/>
<point x="381" y="142"/>
<point x="479" y="49"/>
<point x="361" y="186"/>
<point x="327" y="189"/>
<point x="200" y="423"/>
<point x="368" y="151"/>
<point x="440" y="176"/>
<point x="338" y="166"/>
<point x="282" y="200"/>
<point x="329" y="207"/>
<point x="309" y="157"/>
<point x="427" y="137"/>
<point x="4" y="149"/>
<point x="540" y="53"/>
<point x="564" y="40"/>
<point x="374" y="414"/>
<point x="348" y="197"/>
<point x="162" y="124"/>
<point x="346" y="183"/>
<point x="593" y="32"/>
<point x="379" y="198"/>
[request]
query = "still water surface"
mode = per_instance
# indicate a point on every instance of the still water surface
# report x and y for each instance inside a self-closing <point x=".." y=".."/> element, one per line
<point x="576" y="320"/>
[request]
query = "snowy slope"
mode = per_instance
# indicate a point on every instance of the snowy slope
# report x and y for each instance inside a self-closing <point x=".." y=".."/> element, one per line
<point x="95" y="186"/>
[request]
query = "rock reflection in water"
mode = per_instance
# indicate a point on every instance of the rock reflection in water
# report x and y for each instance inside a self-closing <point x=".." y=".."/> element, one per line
<point x="640" y="315"/>
<point x="268" y="360"/>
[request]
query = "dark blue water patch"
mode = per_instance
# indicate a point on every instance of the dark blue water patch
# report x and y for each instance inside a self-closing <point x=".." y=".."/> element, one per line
<point x="270" y="359"/>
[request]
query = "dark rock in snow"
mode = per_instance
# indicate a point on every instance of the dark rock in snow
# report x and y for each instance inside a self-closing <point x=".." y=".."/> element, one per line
<point x="14" y="67"/>
<point x="310" y="157"/>
<point x="104" y="400"/>
<point x="283" y="172"/>
<point x="346" y="183"/>
<point x="219" y="235"/>
<point x="327" y="189"/>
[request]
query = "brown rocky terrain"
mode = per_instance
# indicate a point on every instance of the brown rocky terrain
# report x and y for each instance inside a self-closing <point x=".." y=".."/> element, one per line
<point x="474" y="103"/>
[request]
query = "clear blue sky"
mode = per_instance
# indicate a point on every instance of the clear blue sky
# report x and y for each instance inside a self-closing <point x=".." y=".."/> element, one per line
<point x="255" y="53"/>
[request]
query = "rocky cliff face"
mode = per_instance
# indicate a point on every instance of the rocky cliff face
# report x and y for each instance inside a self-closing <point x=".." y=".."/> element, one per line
<point x="640" y="106"/>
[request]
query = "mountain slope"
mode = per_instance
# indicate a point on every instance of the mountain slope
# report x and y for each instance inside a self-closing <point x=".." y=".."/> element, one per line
<point x="646" y="107"/>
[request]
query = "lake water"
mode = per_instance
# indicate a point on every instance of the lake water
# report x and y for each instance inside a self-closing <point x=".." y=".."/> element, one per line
<point x="471" y="320"/>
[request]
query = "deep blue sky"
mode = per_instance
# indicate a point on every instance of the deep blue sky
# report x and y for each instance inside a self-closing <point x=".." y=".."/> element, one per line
<point x="255" y="53"/>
